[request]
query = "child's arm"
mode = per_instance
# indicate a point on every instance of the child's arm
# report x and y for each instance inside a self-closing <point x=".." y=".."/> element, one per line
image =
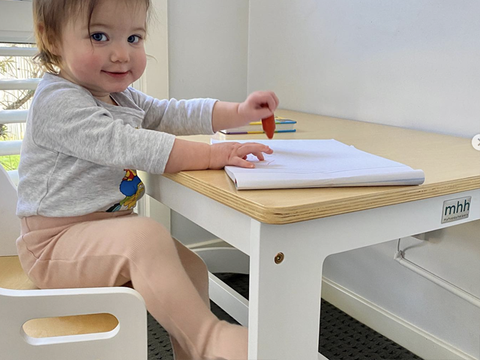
<point x="191" y="155"/>
<point x="258" y="105"/>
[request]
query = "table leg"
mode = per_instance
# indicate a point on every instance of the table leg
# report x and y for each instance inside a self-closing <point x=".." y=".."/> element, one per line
<point x="285" y="294"/>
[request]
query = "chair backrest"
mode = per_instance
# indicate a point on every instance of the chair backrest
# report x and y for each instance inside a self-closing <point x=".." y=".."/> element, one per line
<point x="9" y="222"/>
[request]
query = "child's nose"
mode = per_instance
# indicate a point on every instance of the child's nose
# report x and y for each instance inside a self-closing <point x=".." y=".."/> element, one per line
<point x="120" y="53"/>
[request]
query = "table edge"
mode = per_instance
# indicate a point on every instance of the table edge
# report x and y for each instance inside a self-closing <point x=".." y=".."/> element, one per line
<point x="292" y="214"/>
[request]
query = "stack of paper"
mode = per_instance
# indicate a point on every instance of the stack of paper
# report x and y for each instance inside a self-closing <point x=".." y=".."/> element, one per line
<point x="320" y="163"/>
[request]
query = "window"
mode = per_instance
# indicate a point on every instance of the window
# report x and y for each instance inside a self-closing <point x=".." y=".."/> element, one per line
<point x="19" y="77"/>
<point x="18" y="80"/>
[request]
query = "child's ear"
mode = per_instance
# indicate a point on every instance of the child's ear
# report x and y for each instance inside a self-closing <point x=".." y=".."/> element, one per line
<point x="48" y="41"/>
<point x="54" y="48"/>
<point x="40" y="27"/>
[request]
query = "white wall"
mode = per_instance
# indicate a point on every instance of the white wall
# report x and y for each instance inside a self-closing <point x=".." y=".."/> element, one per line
<point x="155" y="79"/>
<point x="411" y="63"/>
<point x="208" y="48"/>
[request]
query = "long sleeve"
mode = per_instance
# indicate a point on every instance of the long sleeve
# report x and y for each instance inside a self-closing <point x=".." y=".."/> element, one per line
<point x="70" y="122"/>
<point x="178" y="117"/>
<point x="79" y="153"/>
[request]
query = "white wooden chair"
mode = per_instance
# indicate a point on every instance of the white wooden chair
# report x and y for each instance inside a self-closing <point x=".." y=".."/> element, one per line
<point x="89" y="323"/>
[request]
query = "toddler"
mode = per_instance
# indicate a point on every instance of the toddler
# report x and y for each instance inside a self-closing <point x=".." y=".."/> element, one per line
<point x="87" y="134"/>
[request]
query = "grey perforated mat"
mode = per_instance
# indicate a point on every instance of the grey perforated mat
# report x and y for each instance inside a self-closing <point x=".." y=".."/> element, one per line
<point x="341" y="337"/>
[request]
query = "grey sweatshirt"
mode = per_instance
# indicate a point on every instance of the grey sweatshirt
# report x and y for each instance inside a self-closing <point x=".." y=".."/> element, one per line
<point x="80" y="155"/>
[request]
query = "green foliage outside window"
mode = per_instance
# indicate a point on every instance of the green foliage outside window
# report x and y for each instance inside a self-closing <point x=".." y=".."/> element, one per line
<point x="10" y="162"/>
<point x="15" y="67"/>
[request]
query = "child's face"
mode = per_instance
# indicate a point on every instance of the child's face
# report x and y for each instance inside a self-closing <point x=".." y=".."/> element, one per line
<point x="112" y="55"/>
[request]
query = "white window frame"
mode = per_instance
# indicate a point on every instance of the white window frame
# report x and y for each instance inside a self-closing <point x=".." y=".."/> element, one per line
<point x="16" y="21"/>
<point x="155" y="80"/>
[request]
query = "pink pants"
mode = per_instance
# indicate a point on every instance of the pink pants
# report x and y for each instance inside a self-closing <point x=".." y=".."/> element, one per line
<point x="111" y="249"/>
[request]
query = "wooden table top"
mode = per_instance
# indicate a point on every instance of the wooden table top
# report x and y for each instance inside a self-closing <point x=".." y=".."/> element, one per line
<point x="451" y="165"/>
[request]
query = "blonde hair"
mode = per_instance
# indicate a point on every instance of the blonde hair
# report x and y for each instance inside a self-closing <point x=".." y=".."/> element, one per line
<point x="50" y="16"/>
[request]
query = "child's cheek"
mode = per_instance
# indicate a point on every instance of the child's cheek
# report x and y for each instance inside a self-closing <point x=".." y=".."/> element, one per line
<point x="142" y="64"/>
<point x="95" y="61"/>
<point x="84" y="71"/>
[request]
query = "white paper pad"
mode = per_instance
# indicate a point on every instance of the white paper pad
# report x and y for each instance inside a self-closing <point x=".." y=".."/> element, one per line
<point x="320" y="163"/>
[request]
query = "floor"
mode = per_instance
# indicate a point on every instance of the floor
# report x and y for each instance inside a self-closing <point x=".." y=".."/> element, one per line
<point x="341" y="337"/>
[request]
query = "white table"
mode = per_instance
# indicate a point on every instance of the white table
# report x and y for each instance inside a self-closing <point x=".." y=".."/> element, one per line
<point x="304" y="226"/>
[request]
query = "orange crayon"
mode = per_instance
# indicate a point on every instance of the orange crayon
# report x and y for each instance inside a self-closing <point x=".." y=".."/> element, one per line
<point x="268" y="125"/>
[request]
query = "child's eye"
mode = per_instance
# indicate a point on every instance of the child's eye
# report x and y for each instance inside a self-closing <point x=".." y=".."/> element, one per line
<point x="99" y="37"/>
<point x="133" y="39"/>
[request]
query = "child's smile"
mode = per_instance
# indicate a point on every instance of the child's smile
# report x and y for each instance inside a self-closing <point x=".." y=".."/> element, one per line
<point x="117" y="74"/>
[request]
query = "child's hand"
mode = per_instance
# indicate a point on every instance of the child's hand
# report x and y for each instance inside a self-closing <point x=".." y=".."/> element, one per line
<point x="233" y="153"/>
<point x="258" y="105"/>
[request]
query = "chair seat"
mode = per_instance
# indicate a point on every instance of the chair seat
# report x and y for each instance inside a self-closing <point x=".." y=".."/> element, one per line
<point x="13" y="277"/>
